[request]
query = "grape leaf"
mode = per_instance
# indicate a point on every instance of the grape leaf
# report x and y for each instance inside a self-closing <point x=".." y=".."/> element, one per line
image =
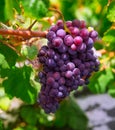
<point x="32" y="52"/>
<point x="2" y="5"/>
<point x="18" y="84"/>
<point x="111" y="89"/>
<point x="35" y="8"/>
<point x="3" y="62"/>
<point x="70" y="114"/>
<point x="109" y="37"/>
<point x="111" y="12"/>
<point x="29" y="114"/>
<point x="7" y="9"/>
<point x="68" y="8"/>
<point x="9" y="54"/>
<point x="100" y="81"/>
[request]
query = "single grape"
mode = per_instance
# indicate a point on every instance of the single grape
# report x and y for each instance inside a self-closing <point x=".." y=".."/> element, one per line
<point x="61" y="33"/>
<point x="70" y="66"/>
<point x="78" y="40"/>
<point x="57" y="42"/>
<point x="76" y="23"/>
<point x="68" y="74"/>
<point x="84" y="33"/>
<point x="68" y="40"/>
<point x="51" y="35"/>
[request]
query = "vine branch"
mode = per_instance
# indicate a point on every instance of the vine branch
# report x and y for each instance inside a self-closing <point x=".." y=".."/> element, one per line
<point x="26" y="34"/>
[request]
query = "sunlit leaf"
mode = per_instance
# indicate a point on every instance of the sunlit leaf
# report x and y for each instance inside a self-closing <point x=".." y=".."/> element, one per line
<point x="111" y="12"/>
<point x="35" y="8"/>
<point x="32" y="52"/>
<point x="109" y="37"/>
<point x="100" y="81"/>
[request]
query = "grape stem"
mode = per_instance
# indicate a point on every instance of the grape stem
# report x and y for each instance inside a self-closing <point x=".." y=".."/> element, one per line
<point x="26" y="34"/>
<point x="59" y="12"/>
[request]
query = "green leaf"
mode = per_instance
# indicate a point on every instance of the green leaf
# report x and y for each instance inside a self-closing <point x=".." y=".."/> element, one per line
<point x="112" y="62"/>
<point x="100" y="81"/>
<point x="18" y="84"/>
<point x="7" y="9"/>
<point x="103" y="2"/>
<point x="29" y="114"/>
<point x="35" y="8"/>
<point x="32" y="52"/>
<point x="70" y="114"/>
<point x="1" y="125"/>
<point x="3" y="62"/>
<point x="109" y="37"/>
<point x="111" y="12"/>
<point x="9" y="54"/>
<point x="68" y="8"/>
<point x="2" y="5"/>
<point x="111" y="89"/>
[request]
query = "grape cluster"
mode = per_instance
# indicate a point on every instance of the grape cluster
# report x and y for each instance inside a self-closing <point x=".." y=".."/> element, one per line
<point x="68" y="61"/>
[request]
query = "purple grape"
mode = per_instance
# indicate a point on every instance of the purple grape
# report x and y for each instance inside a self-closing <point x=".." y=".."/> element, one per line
<point x="70" y="66"/>
<point x="54" y="28"/>
<point x="65" y="56"/>
<point x="68" y="40"/>
<point x="74" y="31"/>
<point x="63" y="49"/>
<point x="57" y="42"/>
<point x="40" y="75"/>
<point x="56" y="57"/>
<point x="68" y="74"/>
<point x="61" y="33"/>
<point x="50" y="80"/>
<point x="50" y="63"/>
<point x="93" y="34"/>
<point x="56" y="75"/>
<point x="55" y="85"/>
<point x="72" y="52"/>
<point x="60" y="62"/>
<point x="61" y="81"/>
<point x="51" y="53"/>
<point x="60" y="24"/>
<point x="81" y="48"/>
<point x="51" y="35"/>
<point x="63" y="68"/>
<point x="82" y="24"/>
<point x="78" y="40"/>
<point x="76" y="23"/>
<point x="84" y="33"/>
<point x="68" y="23"/>
<point x="89" y="43"/>
<point x="76" y="71"/>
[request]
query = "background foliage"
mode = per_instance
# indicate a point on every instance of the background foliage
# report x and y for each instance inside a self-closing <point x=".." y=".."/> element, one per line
<point x="19" y="67"/>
